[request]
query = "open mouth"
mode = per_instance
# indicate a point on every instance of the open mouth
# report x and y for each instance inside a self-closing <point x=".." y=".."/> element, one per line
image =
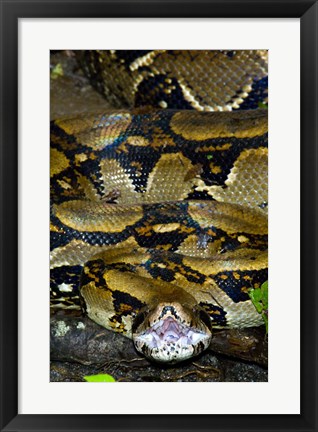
<point x="169" y="330"/>
<point x="170" y="333"/>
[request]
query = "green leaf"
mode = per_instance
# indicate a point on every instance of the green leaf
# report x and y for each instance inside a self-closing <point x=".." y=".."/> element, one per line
<point x="262" y="105"/>
<point x="264" y="290"/>
<point x="209" y="157"/>
<point x="256" y="295"/>
<point x="57" y="71"/>
<point x="99" y="378"/>
<point x="259" y="297"/>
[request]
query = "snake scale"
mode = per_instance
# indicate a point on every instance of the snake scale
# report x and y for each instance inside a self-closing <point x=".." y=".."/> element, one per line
<point x="159" y="213"/>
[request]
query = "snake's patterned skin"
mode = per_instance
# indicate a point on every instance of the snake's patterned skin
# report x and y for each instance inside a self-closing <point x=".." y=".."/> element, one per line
<point x="201" y="80"/>
<point x="159" y="217"/>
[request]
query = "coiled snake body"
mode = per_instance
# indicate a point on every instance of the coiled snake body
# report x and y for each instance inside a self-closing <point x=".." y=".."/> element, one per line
<point x="159" y="217"/>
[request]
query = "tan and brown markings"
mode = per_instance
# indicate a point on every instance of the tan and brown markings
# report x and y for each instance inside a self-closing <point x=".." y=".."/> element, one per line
<point x="215" y="155"/>
<point x="133" y="204"/>
<point x="204" y="80"/>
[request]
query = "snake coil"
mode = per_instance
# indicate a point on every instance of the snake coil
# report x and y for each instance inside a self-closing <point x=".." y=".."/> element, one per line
<point x="159" y="216"/>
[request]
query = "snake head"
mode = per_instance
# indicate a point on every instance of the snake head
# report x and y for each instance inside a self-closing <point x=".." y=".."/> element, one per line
<point x="171" y="332"/>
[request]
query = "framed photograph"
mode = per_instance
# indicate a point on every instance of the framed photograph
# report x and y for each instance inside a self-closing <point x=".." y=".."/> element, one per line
<point x="158" y="209"/>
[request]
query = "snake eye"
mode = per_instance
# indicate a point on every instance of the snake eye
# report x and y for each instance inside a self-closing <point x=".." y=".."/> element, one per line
<point x="139" y="319"/>
<point x="204" y="317"/>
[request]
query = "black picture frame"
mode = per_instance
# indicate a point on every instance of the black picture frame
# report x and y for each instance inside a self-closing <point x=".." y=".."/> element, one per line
<point x="11" y="11"/>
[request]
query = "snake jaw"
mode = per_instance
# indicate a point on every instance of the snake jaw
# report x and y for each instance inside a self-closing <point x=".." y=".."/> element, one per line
<point x="172" y="340"/>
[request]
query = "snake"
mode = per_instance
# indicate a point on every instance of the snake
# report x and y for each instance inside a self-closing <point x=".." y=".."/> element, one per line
<point x="159" y="206"/>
